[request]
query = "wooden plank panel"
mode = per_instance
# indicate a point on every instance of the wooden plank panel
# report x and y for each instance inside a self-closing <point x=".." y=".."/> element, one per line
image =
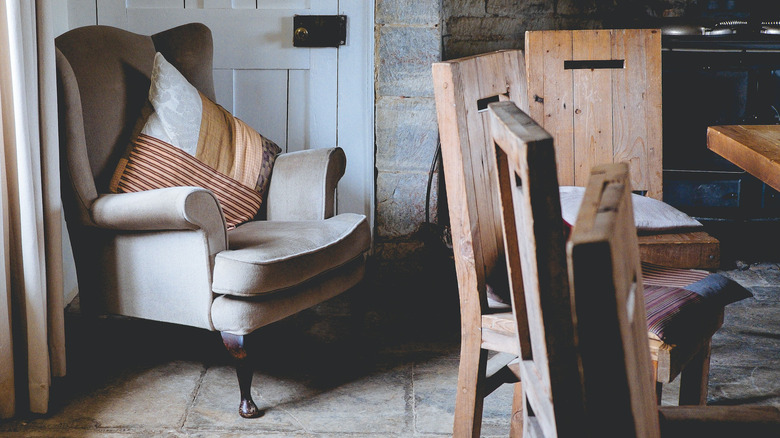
<point x="238" y="41"/>
<point x="654" y="117"/>
<point x="534" y="74"/>
<point x="155" y="4"/>
<point x="297" y="139"/>
<point x="260" y="99"/>
<point x="514" y="69"/>
<point x="629" y="109"/>
<point x="451" y="115"/>
<point x="477" y="169"/>
<point x="636" y="109"/>
<point x="112" y="13"/>
<point x="303" y="130"/>
<point x="558" y="118"/>
<point x="693" y="250"/>
<point x="592" y="104"/>
<point x="247" y="4"/>
<point x="284" y="4"/>
<point x="81" y="13"/>
<point x="223" y="87"/>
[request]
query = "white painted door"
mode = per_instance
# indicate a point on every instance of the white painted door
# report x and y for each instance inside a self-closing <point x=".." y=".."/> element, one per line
<point x="289" y="94"/>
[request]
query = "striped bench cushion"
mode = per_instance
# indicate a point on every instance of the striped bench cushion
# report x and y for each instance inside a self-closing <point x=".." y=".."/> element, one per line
<point x="154" y="164"/>
<point x="678" y="300"/>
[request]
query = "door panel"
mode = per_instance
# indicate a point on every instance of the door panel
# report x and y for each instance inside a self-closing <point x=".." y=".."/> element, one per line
<point x="262" y="102"/>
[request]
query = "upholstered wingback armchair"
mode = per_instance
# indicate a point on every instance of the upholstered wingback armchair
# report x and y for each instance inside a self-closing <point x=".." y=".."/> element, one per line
<point x="166" y="254"/>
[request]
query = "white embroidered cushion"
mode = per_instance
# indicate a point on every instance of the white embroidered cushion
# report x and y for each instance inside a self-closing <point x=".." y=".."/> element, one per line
<point x="649" y="214"/>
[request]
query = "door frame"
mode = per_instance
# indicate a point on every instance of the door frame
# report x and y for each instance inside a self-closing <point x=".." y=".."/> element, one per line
<point x="356" y="99"/>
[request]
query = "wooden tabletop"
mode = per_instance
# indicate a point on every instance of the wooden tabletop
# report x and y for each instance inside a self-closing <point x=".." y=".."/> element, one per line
<point x="754" y="148"/>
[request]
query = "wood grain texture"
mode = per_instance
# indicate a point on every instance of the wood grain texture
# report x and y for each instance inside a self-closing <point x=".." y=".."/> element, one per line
<point x="550" y="93"/>
<point x="550" y="375"/>
<point x="616" y="117"/>
<point x="611" y="322"/>
<point x="692" y="250"/>
<point x="636" y="108"/>
<point x="468" y="156"/>
<point x="754" y="148"/>
<point x="592" y="125"/>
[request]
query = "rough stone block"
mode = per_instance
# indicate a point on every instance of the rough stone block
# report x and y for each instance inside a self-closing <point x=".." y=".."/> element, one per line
<point x="576" y="7"/>
<point x="405" y="58"/>
<point x="406" y="134"/>
<point x="458" y="49"/>
<point x="486" y="28"/>
<point x="400" y="202"/>
<point x="518" y="8"/>
<point x="407" y="12"/>
<point x="463" y="8"/>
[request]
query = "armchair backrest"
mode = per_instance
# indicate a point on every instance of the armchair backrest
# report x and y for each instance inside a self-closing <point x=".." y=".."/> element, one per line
<point x="103" y="81"/>
<point x="598" y="92"/>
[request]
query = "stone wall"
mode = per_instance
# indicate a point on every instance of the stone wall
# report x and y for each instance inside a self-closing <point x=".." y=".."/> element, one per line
<point x="477" y="26"/>
<point x="408" y="41"/>
<point x="410" y="36"/>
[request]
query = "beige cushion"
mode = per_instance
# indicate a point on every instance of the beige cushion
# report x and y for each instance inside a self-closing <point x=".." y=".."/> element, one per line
<point x="270" y="256"/>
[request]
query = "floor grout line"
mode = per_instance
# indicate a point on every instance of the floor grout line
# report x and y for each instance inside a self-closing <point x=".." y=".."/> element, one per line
<point x="193" y="398"/>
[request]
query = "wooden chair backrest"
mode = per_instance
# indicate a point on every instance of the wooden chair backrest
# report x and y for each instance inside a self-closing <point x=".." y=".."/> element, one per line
<point x="588" y="369"/>
<point x="606" y="280"/>
<point x="535" y="241"/>
<point x="463" y="88"/>
<point x="598" y="92"/>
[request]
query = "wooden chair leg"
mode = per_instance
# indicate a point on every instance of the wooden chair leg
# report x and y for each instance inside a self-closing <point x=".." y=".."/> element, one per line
<point x="516" y="423"/>
<point x="236" y="345"/>
<point x="695" y="377"/>
<point x="470" y="396"/>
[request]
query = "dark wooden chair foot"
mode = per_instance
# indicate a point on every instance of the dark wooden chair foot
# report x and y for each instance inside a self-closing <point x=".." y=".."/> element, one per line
<point x="248" y="409"/>
<point x="236" y="346"/>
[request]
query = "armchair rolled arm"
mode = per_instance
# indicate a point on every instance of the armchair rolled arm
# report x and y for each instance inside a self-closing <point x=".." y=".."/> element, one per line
<point x="173" y="208"/>
<point x="303" y="184"/>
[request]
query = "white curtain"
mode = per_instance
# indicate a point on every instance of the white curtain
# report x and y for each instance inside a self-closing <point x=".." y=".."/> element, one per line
<point x="31" y="277"/>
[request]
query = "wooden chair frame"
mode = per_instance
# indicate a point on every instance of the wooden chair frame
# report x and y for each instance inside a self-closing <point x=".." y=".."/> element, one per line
<point x="587" y="371"/>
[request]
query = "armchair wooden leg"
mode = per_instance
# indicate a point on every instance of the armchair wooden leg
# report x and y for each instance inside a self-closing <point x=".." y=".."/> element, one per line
<point x="235" y="344"/>
<point x="695" y="378"/>
<point x="471" y="383"/>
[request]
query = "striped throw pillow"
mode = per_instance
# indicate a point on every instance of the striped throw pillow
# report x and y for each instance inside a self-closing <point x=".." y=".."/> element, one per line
<point x="154" y="164"/>
<point x="678" y="301"/>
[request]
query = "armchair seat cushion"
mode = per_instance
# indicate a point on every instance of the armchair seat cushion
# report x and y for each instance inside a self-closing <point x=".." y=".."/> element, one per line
<point x="264" y="257"/>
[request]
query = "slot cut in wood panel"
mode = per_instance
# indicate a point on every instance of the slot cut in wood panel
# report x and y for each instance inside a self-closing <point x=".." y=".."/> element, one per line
<point x="594" y="64"/>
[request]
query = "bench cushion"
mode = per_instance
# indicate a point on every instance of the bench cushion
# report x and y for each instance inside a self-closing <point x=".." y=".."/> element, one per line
<point x="265" y="257"/>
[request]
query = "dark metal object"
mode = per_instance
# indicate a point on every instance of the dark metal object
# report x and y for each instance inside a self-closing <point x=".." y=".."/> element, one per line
<point x="722" y="74"/>
<point x="319" y="30"/>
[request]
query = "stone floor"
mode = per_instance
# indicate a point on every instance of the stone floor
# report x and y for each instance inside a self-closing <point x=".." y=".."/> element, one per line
<point x="318" y="376"/>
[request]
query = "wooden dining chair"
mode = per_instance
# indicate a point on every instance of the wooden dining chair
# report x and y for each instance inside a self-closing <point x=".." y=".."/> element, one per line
<point x="587" y="370"/>
<point x="478" y="246"/>
<point x="598" y="92"/>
